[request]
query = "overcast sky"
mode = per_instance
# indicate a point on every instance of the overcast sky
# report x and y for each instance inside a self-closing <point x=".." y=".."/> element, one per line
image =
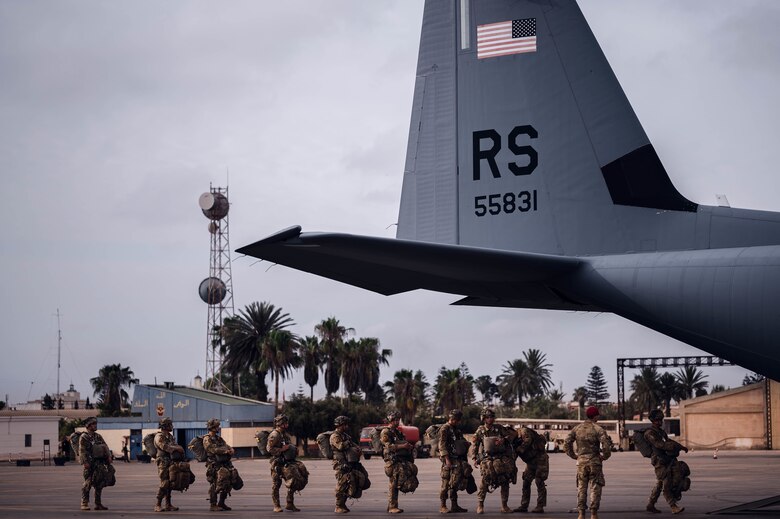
<point x="116" y="116"/>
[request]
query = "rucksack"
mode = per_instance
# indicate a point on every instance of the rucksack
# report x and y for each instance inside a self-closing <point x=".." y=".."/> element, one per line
<point x="641" y="444"/>
<point x="323" y="441"/>
<point x="432" y="432"/>
<point x="375" y="433"/>
<point x="74" y="445"/>
<point x="262" y="442"/>
<point x="151" y="448"/>
<point x="197" y="448"/>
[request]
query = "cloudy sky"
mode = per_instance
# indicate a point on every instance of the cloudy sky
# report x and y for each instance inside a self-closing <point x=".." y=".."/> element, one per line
<point x="116" y="116"/>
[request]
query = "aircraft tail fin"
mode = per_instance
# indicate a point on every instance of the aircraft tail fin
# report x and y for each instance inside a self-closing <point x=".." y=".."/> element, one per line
<point x="521" y="138"/>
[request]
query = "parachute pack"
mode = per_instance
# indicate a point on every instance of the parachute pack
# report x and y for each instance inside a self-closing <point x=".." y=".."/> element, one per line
<point x="180" y="476"/>
<point x="641" y="444"/>
<point x="74" y="445"/>
<point x="375" y="433"/>
<point x="323" y="441"/>
<point x="197" y="448"/>
<point x="295" y="475"/>
<point x="262" y="442"/>
<point x="149" y="446"/>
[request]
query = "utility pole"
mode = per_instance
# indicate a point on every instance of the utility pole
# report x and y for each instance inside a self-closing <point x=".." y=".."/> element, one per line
<point x="59" y="351"/>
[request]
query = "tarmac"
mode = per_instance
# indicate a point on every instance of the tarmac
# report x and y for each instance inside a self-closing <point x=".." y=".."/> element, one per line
<point x="733" y="478"/>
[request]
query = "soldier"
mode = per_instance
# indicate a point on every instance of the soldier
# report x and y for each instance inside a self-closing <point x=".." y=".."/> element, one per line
<point x="664" y="460"/>
<point x="485" y="459"/>
<point x="531" y="448"/>
<point x="593" y="447"/>
<point x="96" y="458"/>
<point x="218" y="454"/>
<point x="396" y="450"/>
<point x="342" y="444"/>
<point x="453" y="451"/>
<point x="278" y="443"/>
<point x="166" y="447"/>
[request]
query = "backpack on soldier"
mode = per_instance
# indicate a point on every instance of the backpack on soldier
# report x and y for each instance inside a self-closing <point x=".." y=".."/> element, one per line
<point x="641" y="443"/>
<point x="323" y="441"/>
<point x="151" y="448"/>
<point x="197" y="448"/>
<point x="74" y="445"/>
<point x="538" y="441"/>
<point x="262" y="442"/>
<point x="375" y="433"/>
<point x="180" y="476"/>
<point x="432" y="433"/>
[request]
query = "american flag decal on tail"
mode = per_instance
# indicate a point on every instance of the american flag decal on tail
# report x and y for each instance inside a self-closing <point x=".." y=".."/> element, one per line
<point x="504" y="38"/>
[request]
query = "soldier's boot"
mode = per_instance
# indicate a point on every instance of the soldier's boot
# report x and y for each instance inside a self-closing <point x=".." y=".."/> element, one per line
<point x="651" y="508"/>
<point x="677" y="509"/>
<point x="505" y="500"/>
<point x="214" y="508"/>
<point x="480" y="507"/>
<point x="168" y="505"/>
<point x="98" y="502"/>
<point x="525" y="499"/>
<point x="594" y="514"/>
<point x="443" y="507"/>
<point x="392" y="503"/>
<point x="580" y="514"/>
<point x="275" y="499"/>
<point x="341" y="505"/>
<point x="455" y="509"/>
<point x="221" y="504"/>
<point x="291" y="503"/>
<point x="85" y="505"/>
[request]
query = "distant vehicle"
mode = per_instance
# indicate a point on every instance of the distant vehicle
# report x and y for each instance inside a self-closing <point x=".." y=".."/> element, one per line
<point x="410" y="432"/>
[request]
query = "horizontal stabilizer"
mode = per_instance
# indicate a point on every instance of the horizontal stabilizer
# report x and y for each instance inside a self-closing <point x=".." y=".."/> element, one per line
<point x="391" y="266"/>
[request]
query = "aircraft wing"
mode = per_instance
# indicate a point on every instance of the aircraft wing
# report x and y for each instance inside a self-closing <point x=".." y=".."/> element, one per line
<point x="486" y="277"/>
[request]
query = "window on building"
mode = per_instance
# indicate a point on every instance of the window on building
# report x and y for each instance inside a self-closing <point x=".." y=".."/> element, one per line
<point x="28" y="440"/>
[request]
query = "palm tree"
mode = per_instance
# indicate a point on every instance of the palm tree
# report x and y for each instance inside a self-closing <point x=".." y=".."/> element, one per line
<point x="454" y="388"/>
<point x="109" y="388"/>
<point x="580" y="395"/>
<point x="409" y="392"/>
<point x="332" y="335"/>
<point x="515" y="381"/>
<point x="487" y="388"/>
<point x="691" y="380"/>
<point x="645" y="389"/>
<point x="244" y="337"/>
<point x="371" y="359"/>
<point x="351" y="366"/>
<point x="280" y="357"/>
<point x="538" y="372"/>
<point x="668" y="390"/>
<point x="312" y="357"/>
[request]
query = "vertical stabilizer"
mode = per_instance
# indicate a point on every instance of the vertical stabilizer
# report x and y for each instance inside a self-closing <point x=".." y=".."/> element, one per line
<point x="521" y="138"/>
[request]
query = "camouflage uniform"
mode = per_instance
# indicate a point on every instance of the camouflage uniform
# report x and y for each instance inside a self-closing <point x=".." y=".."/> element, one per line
<point x="664" y="460"/>
<point x="276" y="440"/>
<point x="537" y="469"/>
<point x="95" y="475"/>
<point x="481" y="456"/>
<point x="217" y="457"/>
<point x="453" y="478"/>
<point x="593" y="446"/>
<point x="166" y="446"/>
<point x="390" y="437"/>
<point x="341" y="442"/>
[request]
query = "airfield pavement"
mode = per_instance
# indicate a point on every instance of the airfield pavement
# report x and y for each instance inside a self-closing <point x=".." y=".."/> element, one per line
<point x="735" y="477"/>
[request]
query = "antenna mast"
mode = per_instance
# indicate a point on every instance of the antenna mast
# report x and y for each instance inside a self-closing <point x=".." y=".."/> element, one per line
<point x="59" y="351"/>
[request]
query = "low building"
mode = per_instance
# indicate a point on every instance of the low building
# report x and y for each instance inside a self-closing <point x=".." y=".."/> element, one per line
<point x="746" y="417"/>
<point x="24" y="433"/>
<point x="189" y="408"/>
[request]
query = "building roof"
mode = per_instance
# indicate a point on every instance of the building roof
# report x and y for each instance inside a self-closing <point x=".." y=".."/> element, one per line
<point x="211" y="396"/>
<point x="60" y="413"/>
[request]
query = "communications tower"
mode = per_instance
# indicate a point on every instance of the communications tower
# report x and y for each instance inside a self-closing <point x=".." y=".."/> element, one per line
<point x="217" y="289"/>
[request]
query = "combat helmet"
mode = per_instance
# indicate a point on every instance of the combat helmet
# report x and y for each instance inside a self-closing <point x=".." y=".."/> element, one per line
<point x="456" y="414"/>
<point x="213" y="424"/>
<point x="392" y="416"/>
<point x="89" y="421"/>
<point x="166" y="422"/>
<point x="656" y="414"/>
<point x="487" y="413"/>
<point x="280" y="419"/>
<point x="341" y="420"/>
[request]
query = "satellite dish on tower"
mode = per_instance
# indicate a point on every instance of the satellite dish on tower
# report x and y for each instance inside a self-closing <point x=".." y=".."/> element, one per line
<point x="212" y="291"/>
<point x="215" y="206"/>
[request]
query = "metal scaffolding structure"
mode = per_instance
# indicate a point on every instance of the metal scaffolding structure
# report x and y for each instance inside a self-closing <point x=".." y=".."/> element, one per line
<point x="655" y="362"/>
